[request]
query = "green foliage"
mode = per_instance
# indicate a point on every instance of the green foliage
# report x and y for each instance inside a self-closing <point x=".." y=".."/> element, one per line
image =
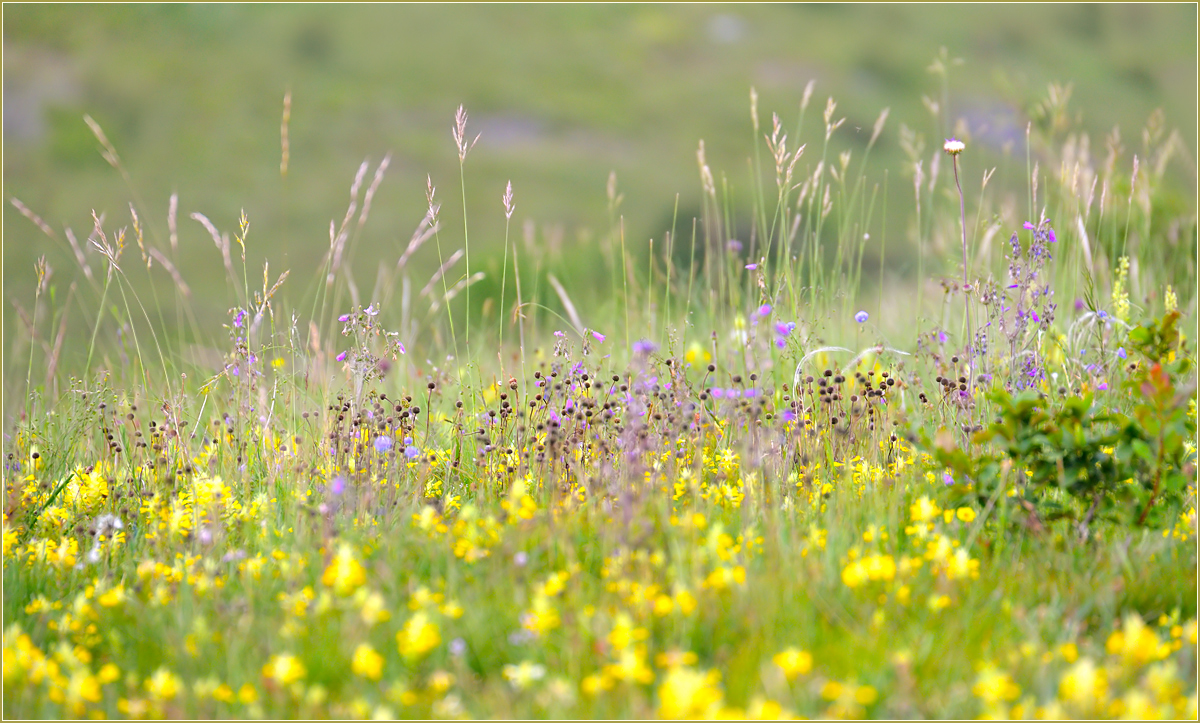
<point x="1130" y="467"/>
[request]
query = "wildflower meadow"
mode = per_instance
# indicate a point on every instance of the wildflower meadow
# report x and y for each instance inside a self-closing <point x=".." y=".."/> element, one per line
<point x="725" y="489"/>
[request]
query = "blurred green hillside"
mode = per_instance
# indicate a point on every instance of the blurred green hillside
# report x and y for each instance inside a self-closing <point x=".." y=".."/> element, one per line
<point x="191" y="96"/>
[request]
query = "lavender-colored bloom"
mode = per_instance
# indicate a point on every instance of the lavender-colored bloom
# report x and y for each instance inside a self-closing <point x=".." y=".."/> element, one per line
<point x="734" y="246"/>
<point x="337" y="486"/>
<point x="783" y="329"/>
<point x="344" y="318"/>
<point x="520" y="559"/>
<point x="780" y="342"/>
<point x="717" y="392"/>
<point x="341" y="357"/>
<point x="411" y="452"/>
<point x="239" y="318"/>
<point x="383" y="443"/>
<point x="764" y="311"/>
<point x="789" y="415"/>
<point x="941" y="337"/>
<point x="1102" y="387"/>
<point x="1121" y="352"/>
<point x="560" y="334"/>
<point x="948" y="478"/>
<point x="861" y="317"/>
<point x="644" y="346"/>
<point x="751" y="267"/>
<point x="1029" y="226"/>
<point x="1079" y="305"/>
<point x="458" y="646"/>
<point x="597" y="336"/>
<point x="1053" y="238"/>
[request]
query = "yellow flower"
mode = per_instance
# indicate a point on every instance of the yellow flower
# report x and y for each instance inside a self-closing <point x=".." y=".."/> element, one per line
<point x="923" y="510"/>
<point x="793" y="662"/>
<point x="113" y="597"/>
<point x="418" y="637"/>
<point x="687" y="693"/>
<point x="1084" y="685"/>
<point x="367" y="662"/>
<point x="163" y="685"/>
<point x="344" y="574"/>
<point x="966" y="514"/>
<point x="1136" y="643"/>
<point x="993" y="686"/>
<point x="284" y="669"/>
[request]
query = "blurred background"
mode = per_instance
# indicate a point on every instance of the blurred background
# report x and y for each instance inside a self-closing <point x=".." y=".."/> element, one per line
<point x="191" y="97"/>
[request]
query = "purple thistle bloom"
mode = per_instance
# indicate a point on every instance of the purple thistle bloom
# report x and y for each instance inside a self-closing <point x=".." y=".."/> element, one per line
<point x="383" y="443"/>
<point x="717" y="393"/>
<point x="861" y="317"/>
<point x="764" y="311"/>
<point x="789" y="416"/>
<point x="337" y="486"/>
<point x="411" y="452"/>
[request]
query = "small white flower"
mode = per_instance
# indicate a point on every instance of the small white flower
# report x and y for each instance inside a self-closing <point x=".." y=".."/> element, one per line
<point x="953" y="146"/>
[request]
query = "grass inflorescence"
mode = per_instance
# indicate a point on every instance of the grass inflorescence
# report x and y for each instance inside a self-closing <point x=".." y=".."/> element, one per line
<point x="723" y="494"/>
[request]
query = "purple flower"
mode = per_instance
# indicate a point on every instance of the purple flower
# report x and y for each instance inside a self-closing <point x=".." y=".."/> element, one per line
<point x="458" y="646"/>
<point x="597" y="336"/>
<point x="560" y="334"/>
<point x="520" y="559"/>
<point x="764" y="311"/>
<point x="383" y="443"/>
<point x="751" y="267"/>
<point x="1102" y="387"/>
<point x="1029" y="226"/>
<point x="411" y="452"/>
<point x="644" y="346"/>
<point x="861" y="317"/>
<point x="1079" y="305"/>
<point x="789" y="415"/>
<point x="941" y="337"/>
<point x="1121" y="352"/>
<point x="337" y="485"/>
<point x="344" y="318"/>
<point x="717" y="392"/>
<point x="1053" y="238"/>
<point x="783" y="329"/>
<point x="239" y="318"/>
<point x="948" y="478"/>
<point x="341" y="357"/>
